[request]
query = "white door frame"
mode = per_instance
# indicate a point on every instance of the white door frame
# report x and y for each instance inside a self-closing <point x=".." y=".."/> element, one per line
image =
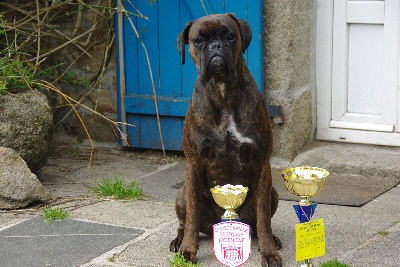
<point x="324" y="62"/>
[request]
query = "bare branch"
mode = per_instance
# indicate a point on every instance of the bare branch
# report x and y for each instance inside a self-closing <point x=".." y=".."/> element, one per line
<point x="64" y="44"/>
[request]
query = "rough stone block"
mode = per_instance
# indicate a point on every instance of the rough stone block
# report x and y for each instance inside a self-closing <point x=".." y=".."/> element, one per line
<point x="26" y="125"/>
<point x="19" y="186"/>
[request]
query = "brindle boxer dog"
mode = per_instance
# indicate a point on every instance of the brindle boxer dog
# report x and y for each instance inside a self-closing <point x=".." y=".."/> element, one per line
<point x="227" y="137"/>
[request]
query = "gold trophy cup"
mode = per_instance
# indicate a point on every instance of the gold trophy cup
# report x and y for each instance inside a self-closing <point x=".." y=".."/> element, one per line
<point x="305" y="182"/>
<point x="229" y="197"/>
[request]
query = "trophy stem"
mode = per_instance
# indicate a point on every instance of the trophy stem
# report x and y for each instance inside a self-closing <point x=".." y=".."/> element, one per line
<point x="305" y="201"/>
<point x="230" y="215"/>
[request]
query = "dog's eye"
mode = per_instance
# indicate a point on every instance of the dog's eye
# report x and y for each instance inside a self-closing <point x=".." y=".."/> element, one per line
<point x="230" y="36"/>
<point x="199" y="40"/>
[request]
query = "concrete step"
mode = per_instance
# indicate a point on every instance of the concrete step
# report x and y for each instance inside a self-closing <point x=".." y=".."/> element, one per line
<point x="355" y="159"/>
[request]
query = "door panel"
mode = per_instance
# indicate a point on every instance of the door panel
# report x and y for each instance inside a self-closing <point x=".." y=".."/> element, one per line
<point x="358" y="66"/>
<point x="365" y="72"/>
<point x="357" y="71"/>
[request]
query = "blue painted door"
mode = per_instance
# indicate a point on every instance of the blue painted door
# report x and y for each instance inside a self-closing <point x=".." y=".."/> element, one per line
<point x="158" y="25"/>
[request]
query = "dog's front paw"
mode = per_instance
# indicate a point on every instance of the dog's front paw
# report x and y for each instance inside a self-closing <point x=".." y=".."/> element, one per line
<point x="189" y="252"/>
<point x="189" y="256"/>
<point x="175" y="244"/>
<point x="278" y="243"/>
<point x="271" y="259"/>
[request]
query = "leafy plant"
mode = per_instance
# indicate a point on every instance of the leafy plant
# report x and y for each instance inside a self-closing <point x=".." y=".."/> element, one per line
<point x="15" y="72"/>
<point x="118" y="189"/>
<point x="333" y="263"/>
<point x="383" y="233"/>
<point x="179" y="261"/>
<point x="73" y="79"/>
<point x="51" y="214"/>
<point x="17" y="76"/>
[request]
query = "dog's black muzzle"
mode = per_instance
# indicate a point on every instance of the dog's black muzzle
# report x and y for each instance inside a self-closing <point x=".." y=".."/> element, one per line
<point x="218" y="57"/>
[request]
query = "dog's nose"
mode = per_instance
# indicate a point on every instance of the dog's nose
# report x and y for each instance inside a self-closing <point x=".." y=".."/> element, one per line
<point x="216" y="45"/>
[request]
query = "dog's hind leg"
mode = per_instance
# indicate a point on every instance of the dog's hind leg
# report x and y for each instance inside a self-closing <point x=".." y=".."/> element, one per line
<point x="210" y="215"/>
<point x="274" y="201"/>
<point x="180" y="208"/>
<point x="274" y="207"/>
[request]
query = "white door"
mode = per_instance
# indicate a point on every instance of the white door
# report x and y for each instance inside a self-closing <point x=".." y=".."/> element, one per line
<point x="358" y="71"/>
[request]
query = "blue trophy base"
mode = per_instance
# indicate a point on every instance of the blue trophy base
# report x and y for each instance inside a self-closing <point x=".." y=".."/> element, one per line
<point x="304" y="213"/>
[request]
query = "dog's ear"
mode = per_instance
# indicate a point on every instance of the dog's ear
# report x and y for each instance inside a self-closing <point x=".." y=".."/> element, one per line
<point x="245" y="31"/>
<point x="183" y="38"/>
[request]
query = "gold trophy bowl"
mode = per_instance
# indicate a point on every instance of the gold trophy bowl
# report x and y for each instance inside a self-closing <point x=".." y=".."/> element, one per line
<point x="229" y="197"/>
<point x="305" y="181"/>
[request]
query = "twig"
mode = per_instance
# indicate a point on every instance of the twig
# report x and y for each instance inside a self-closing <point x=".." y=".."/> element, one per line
<point x="64" y="44"/>
<point x="38" y="34"/>
<point x="25" y="20"/>
<point x="151" y="77"/>
<point x="20" y="10"/>
<point x="68" y="99"/>
<point x="78" y="19"/>
<point x="140" y="14"/>
<point x="66" y="37"/>
<point x="204" y="7"/>
<point x="71" y="100"/>
<point x="93" y="9"/>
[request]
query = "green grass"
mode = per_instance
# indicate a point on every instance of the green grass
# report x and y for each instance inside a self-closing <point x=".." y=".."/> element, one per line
<point x="383" y="233"/>
<point x="118" y="189"/>
<point x="51" y="214"/>
<point x="333" y="263"/>
<point x="179" y="261"/>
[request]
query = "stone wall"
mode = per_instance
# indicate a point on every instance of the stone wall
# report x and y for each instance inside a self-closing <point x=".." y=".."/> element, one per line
<point x="101" y="98"/>
<point x="289" y="58"/>
<point x="91" y="79"/>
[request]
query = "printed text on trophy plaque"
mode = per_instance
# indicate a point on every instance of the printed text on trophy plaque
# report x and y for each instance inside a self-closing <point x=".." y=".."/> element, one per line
<point x="310" y="240"/>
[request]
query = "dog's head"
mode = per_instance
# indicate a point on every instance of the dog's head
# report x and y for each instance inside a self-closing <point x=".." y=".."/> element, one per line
<point x="216" y="43"/>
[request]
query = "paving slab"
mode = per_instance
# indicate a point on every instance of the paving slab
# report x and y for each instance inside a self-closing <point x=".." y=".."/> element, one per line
<point x="66" y="243"/>
<point x="381" y="250"/>
<point x="138" y="214"/>
<point x="160" y="186"/>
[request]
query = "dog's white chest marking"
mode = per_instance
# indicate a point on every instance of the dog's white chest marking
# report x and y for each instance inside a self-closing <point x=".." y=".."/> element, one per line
<point x="232" y="129"/>
<point x="222" y="88"/>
